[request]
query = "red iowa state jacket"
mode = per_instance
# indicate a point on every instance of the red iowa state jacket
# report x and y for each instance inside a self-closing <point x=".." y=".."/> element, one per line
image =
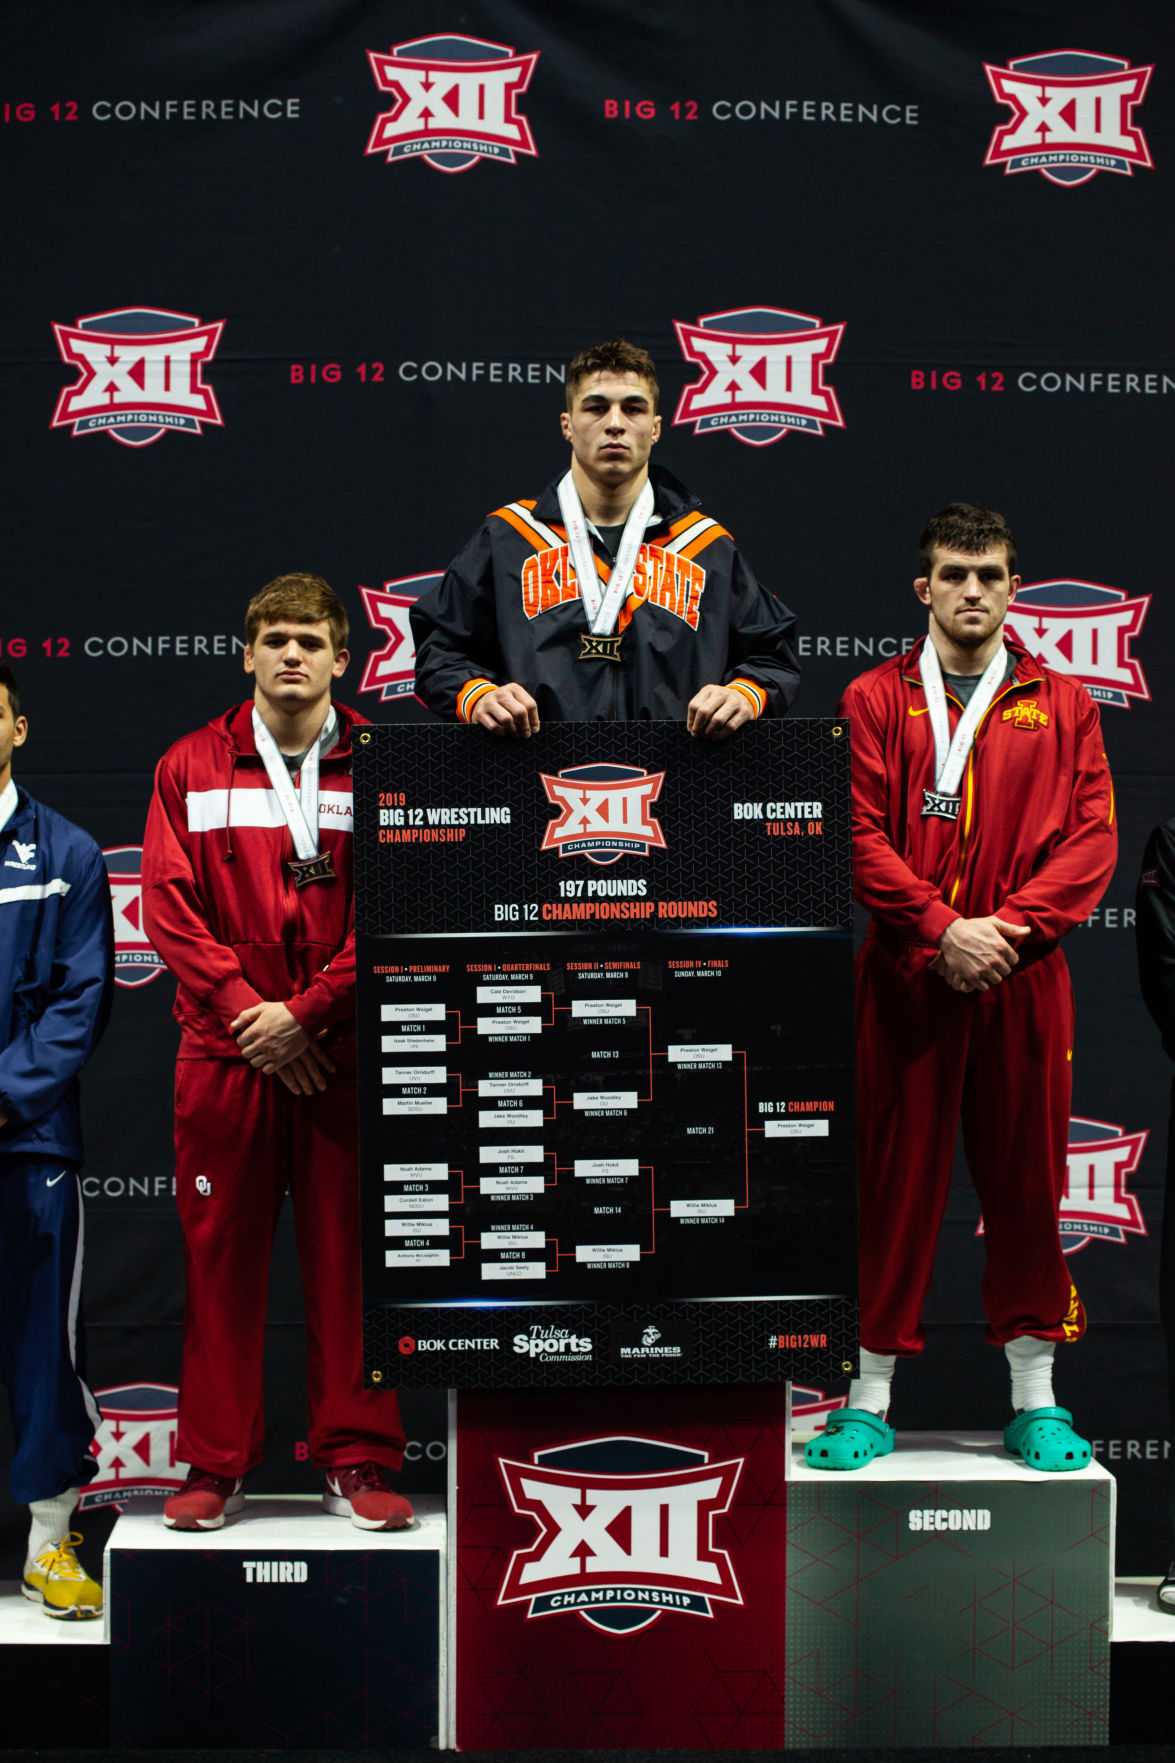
<point x="1035" y="841"/>
<point x="219" y="903"/>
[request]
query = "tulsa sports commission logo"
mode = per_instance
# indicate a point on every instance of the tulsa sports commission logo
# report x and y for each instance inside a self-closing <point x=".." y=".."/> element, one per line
<point x="135" y="961"/>
<point x="762" y="374"/>
<point x="1071" y="116"/>
<point x="626" y="1532"/>
<point x="141" y="375"/>
<point x="456" y="102"/>
<point x="1083" y="629"/>
<point x="605" y="812"/>
<point x="391" y="671"/>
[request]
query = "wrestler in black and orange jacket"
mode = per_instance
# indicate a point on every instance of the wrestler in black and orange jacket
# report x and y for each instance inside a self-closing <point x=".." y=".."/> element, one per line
<point x="509" y="609"/>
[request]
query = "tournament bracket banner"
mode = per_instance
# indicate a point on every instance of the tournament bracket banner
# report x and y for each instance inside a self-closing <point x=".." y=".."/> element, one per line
<point x="605" y="1055"/>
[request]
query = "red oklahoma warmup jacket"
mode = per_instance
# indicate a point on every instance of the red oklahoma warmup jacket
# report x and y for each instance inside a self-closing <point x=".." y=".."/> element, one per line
<point x="1035" y="841"/>
<point x="219" y="903"/>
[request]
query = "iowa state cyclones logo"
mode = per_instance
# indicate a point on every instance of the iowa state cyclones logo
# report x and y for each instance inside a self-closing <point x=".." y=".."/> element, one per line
<point x="762" y="374"/>
<point x="1072" y="116"/>
<point x="391" y="671"/>
<point x="456" y="102"/>
<point x="141" y="375"/>
<point x="605" y="812"/>
<point x="626" y="1532"/>
<point x="1083" y="629"/>
<point x="135" y="960"/>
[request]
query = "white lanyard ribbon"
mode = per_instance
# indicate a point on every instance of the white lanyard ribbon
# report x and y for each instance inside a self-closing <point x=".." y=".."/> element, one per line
<point x="300" y="806"/>
<point x="603" y="608"/>
<point x="950" y="756"/>
<point x="7" y="802"/>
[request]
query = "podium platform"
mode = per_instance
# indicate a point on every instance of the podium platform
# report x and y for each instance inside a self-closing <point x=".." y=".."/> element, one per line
<point x="947" y="1595"/>
<point x="288" y="1628"/>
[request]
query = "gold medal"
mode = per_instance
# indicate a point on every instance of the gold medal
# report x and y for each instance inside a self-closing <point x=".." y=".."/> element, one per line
<point x="312" y="869"/>
<point x="593" y="648"/>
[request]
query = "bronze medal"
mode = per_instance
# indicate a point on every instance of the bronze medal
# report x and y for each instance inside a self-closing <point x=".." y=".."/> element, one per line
<point x="593" y="648"/>
<point x="311" y="869"/>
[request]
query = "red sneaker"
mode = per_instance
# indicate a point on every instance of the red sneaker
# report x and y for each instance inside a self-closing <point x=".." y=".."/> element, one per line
<point x="363" y="1493"/>
<point x="203" y="1502"/>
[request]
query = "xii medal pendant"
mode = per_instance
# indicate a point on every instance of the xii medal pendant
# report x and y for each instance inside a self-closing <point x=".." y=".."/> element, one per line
<point x="593" y="648"/>
<point x="311" y="869"/>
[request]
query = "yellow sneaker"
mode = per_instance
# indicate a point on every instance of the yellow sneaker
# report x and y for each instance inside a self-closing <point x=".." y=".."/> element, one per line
<point x="60" y="1584"/>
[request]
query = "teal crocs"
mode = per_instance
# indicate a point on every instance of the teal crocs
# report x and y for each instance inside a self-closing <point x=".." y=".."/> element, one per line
<point x="852" y="1438"/>
<point x="1045" y="1439"/>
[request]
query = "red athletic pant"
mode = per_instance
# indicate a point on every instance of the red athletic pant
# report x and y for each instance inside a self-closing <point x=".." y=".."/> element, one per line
<point x="928" y="1056"/>
<point x="241" y="1139"/>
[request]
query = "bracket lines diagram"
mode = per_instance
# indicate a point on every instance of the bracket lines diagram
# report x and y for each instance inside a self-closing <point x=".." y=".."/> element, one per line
<point x="547" y="1125"/>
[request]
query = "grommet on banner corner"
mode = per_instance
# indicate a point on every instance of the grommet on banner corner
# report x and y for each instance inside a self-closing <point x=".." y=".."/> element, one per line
<point x="846" y="1365"/>
<point x="836" y="731"/>
<point x="364" y="739"/>
<point x="377" y="1377"/>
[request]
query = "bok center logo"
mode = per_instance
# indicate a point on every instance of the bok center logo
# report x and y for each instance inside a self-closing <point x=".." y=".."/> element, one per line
<point x="626" y="1532"/>
<point x="605" y="812"/>
<point x="1083" y="629"/>
<point x="140" y="375"/>
<point x="762" y="374"/>
<point x="391" y="671"/>
<point x="135" y="961"/>
<point x="1071" y="116"/>
<point x="135" y="1445"/>
<point x="456" y="102"/>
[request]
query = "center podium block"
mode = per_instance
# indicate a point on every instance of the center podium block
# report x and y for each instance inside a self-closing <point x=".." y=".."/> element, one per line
<point x="288" y="1628"/>
<point x="948" y="1595"/>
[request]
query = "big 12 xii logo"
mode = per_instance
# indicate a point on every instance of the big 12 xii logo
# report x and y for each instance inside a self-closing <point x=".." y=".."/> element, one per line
<point x="456" y="102"/>
<point x="141" y="375"/>
<point x="1072" y="116"/>
<point x="626" y="1532"/>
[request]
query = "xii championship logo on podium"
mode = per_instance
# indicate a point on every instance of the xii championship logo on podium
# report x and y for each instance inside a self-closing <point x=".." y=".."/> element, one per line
<point x="626" y="1532"/>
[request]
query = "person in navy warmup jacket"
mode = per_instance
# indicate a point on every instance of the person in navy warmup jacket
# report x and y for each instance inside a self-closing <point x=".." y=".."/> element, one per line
<point x="56" y="967"/>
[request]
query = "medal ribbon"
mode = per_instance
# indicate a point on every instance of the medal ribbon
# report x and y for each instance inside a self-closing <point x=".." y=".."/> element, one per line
<point x="950" y="756"/>
<point x="300" y="806"/>
<point x="602" y="608"/>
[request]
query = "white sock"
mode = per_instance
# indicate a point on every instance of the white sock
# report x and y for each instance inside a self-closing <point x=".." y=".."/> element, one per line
<point x="871" y="1389"/>
<point x="50" y="1521"/>
<point x="1031" y="1362"/>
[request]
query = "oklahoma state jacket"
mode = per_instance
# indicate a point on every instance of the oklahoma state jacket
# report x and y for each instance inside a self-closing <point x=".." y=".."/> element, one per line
<point x="1035" y="840"/>
<point x="56" y="976"/>
<point x="509" y="608"/>
<point x="219" y="903"/>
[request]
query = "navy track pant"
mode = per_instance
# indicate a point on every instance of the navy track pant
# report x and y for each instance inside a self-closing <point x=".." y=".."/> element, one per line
<point x="42" y="1342"/>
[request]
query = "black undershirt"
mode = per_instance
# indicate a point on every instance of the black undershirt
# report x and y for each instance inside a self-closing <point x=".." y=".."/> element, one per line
<point x="612" y="536"/>
<point x="962" y="685"/>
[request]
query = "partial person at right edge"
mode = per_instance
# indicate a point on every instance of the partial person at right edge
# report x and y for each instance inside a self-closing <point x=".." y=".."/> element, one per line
<point x="610" y="597"/>
<point x="1155" y="942"/>
<point x="983" y="831"/>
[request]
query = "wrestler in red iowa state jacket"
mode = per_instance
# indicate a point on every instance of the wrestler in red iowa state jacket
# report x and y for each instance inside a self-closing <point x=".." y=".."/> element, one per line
<point x="219" y="903"/>
<point x="1036" y="839"/>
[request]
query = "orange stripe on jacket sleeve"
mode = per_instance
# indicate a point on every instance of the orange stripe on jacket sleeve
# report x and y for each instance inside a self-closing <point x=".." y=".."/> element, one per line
<point x="520" y="526"/>
<point x="755" y="695"/>
<point x="707" y="538"/>
<point x="469" y="694"/>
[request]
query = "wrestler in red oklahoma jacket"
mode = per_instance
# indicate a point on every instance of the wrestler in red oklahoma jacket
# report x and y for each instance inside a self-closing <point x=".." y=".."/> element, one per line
<point x="1034" y="843"/>
<point x="219" y="904"/>
<point x="222" y="909"/>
